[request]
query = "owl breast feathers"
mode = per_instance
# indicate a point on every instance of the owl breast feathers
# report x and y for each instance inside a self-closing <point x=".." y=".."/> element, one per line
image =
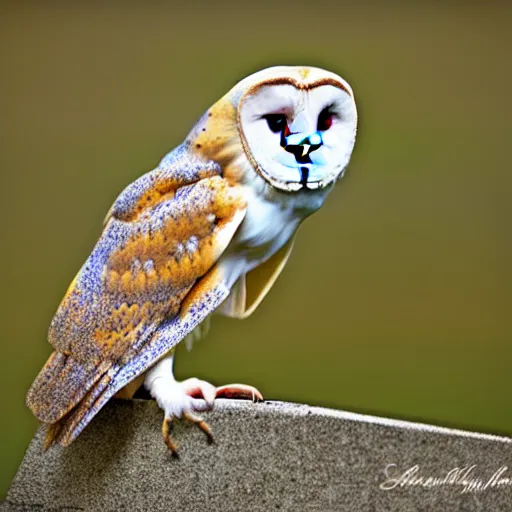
<point x="214" y="221"/>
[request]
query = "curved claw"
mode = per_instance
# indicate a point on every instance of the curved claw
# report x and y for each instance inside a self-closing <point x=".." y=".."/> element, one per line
<point x="201" y="424"/>
<point x="167" y="427"/>
<point x="240" y="391"/>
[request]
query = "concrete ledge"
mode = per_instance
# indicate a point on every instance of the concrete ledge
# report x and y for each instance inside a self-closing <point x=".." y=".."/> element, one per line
<point x="269" y="456"/>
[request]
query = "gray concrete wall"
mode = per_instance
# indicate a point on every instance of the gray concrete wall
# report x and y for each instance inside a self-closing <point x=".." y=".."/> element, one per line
<point x="269" y="456"/>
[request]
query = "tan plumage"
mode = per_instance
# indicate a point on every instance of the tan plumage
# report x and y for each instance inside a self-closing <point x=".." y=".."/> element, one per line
<point x="209" y="229"/>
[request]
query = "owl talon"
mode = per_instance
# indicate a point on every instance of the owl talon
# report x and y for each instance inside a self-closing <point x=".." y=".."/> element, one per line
<point x="193" y="395"/>
<point x="201" y="424"/>
<point x="186" y="398"/>
<point x="239" y="391"/>
<point x="167" y="427"/>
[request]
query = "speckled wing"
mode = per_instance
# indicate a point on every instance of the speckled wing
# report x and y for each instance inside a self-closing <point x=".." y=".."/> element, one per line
<point x="162" y="237"/>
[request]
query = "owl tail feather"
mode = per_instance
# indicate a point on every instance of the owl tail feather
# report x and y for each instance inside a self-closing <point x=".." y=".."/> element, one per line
<point x="64" y="430"/>
<point x="62" y="392"/>
<point x="78" y="418"/>
<point x="53" y="431"/>
<point x="61" y="385"/>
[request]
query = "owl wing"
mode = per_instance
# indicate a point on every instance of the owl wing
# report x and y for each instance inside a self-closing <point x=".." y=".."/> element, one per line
<point x="251" y="288"/>
<point x="152" y="266"/>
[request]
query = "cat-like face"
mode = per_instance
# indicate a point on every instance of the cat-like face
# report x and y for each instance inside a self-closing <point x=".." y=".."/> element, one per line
<point x="299" y="128"/>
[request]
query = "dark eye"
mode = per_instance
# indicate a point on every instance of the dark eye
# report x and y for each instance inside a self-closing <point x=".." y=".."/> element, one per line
<point x="324" y="120"/>
<point x="276" y="122"/>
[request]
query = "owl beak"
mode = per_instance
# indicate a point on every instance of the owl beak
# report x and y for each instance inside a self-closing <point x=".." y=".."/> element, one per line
<point x="301" y="146"/>
<point x="298" y="147"/>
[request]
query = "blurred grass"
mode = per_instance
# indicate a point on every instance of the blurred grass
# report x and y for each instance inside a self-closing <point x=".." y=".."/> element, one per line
<point x="396" y="300"/>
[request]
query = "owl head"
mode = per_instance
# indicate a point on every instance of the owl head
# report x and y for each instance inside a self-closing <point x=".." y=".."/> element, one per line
<point x="292" y="127"/>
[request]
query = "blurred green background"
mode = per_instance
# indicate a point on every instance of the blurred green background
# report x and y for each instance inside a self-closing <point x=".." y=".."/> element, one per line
<point x="397" y="298"/>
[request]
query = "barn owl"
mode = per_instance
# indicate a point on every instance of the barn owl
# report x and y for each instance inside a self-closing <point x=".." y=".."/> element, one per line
<point x="209" y="230"/>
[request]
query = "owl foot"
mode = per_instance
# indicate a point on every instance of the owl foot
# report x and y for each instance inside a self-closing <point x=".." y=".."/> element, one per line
<point x="194" y="395"/>
<point x="182" y="400"/>
<point x="186" y="398"/>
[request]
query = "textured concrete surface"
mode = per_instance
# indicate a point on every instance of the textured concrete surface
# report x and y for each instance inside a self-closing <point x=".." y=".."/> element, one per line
<point x="269" y="456"/>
